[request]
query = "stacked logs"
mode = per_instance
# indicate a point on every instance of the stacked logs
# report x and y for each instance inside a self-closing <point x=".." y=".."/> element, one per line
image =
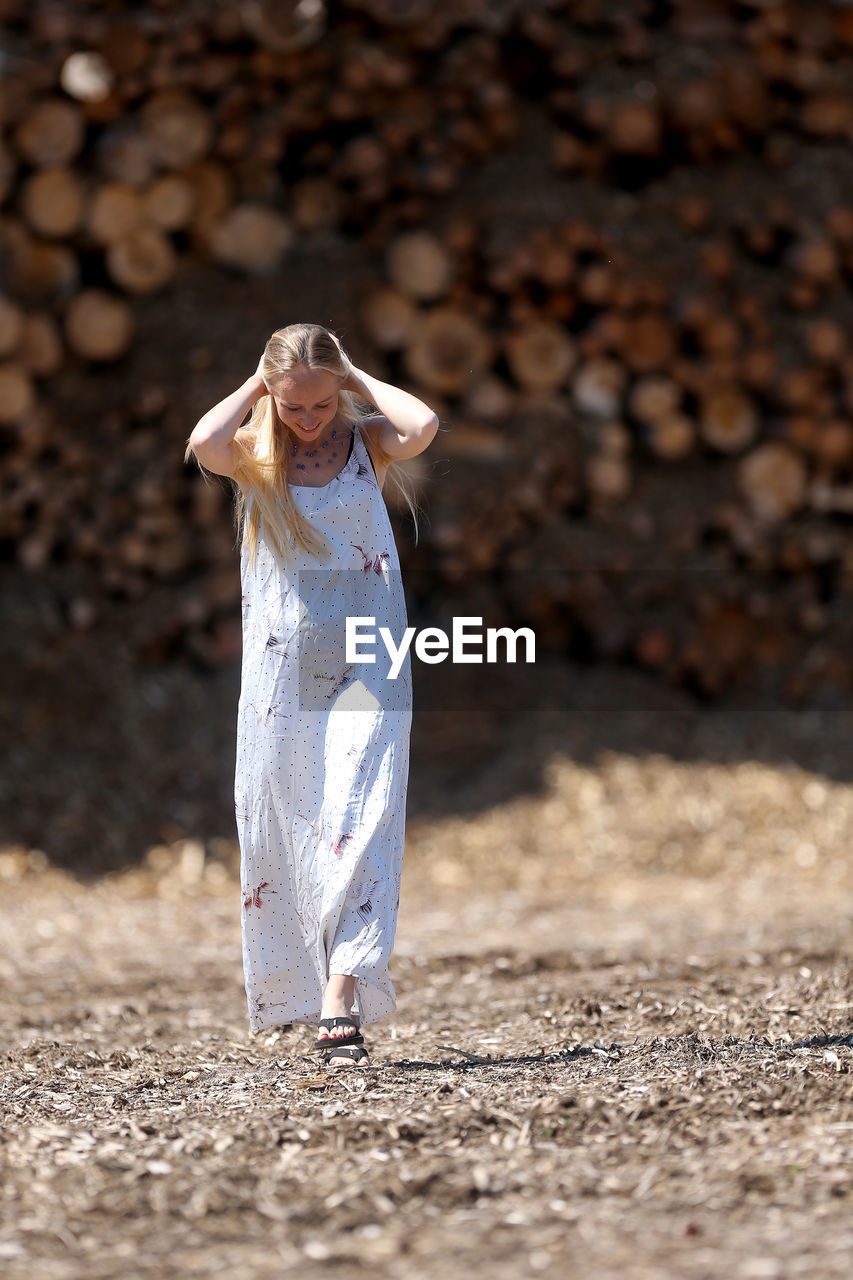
<point x="649" y="398"/>
<point x="639" y="481"/>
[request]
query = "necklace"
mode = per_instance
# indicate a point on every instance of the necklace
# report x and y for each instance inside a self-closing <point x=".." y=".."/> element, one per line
<point x="312" y="453"/>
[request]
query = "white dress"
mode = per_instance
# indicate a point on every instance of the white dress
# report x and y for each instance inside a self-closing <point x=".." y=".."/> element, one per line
<point x="322" y="759"/>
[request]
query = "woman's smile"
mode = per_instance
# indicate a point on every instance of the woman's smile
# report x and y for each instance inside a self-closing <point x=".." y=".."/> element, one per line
<point x="309" y="391"/>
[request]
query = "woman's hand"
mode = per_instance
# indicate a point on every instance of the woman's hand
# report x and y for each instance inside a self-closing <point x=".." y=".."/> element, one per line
<point x="352" y="380"/>
<point x="263" y="389"/>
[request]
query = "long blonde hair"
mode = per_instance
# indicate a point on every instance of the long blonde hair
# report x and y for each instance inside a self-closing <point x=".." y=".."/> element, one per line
<point x="261" y="449"/>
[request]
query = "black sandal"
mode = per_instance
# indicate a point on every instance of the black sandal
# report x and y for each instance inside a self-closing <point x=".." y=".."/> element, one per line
<point x="356" y="1053"/>
<point x="330" y="1041"/>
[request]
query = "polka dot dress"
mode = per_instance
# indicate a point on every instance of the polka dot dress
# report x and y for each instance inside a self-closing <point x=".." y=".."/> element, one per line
<point x="322" y="759"/>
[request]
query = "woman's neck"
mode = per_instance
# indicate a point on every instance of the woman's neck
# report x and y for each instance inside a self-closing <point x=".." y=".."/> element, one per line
<point x="327" y="455"/>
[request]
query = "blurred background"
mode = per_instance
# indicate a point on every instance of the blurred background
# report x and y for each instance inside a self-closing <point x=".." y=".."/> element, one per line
<point x="610" y="244"/>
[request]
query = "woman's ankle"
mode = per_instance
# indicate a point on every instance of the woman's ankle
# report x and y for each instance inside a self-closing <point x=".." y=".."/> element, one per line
<point x="339" y="995"/>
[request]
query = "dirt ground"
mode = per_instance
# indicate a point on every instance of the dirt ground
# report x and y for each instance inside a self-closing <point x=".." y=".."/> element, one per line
<point x="623" y="1038"/>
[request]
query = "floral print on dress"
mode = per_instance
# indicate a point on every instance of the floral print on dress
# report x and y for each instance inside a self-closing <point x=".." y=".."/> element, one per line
<point x="378" y="563"/>
<point x="340" y="842"/>
<point x="367" y="892"/>
<point x="253" y="897"/>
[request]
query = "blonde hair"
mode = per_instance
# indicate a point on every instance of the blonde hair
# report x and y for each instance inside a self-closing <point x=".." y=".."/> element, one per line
<point x="261" y="449"/>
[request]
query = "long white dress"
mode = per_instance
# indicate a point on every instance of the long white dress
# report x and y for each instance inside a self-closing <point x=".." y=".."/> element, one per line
<point x="322" y="759"/>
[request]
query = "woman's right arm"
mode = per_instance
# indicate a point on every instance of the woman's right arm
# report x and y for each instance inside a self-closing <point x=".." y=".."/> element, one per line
<point x="212" y="439"/>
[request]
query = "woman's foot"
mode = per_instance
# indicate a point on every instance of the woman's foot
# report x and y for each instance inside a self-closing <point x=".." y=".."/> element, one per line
<point x="340" y="1027"/>
<point x="347" y="1055"/>
<point x="337" y="1002"/>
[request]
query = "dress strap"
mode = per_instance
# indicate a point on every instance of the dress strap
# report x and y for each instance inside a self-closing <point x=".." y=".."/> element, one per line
<point x="357" y="428"/>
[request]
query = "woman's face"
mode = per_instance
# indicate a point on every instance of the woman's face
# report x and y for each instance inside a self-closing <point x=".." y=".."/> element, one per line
<point x="306" y="400"/>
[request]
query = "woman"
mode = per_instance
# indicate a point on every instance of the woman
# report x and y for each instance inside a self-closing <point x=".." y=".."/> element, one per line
<point x="322" y="743"/>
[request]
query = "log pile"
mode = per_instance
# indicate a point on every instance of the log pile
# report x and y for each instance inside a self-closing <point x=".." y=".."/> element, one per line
<point x="645" y="383"/>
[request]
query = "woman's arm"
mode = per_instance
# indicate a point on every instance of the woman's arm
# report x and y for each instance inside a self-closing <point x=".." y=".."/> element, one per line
<point x="406" y="426"/>
<point x="212" y="437"/>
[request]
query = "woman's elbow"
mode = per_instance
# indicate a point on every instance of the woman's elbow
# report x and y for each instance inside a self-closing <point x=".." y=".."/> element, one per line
<point x="198" y="434"/>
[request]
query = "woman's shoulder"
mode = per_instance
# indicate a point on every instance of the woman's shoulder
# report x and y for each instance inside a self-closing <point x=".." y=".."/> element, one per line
<point x="369" y="424"/>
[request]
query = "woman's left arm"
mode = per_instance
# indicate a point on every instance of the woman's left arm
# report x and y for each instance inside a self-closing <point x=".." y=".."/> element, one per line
<point x="406" y="426"/>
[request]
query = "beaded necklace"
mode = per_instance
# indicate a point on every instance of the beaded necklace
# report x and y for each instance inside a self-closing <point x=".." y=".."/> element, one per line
<point x="311" y="453"/>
